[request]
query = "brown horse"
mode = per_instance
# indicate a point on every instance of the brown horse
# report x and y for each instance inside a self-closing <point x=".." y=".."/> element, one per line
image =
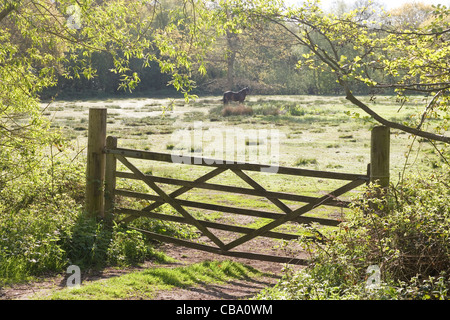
<point x="235" y="96"/>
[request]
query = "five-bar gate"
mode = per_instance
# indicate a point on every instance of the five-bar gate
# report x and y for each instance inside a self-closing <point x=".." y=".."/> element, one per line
<point x="105" y="157"/>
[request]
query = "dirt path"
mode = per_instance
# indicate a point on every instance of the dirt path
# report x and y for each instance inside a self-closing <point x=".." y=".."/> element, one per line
<point x="236" y="289"/>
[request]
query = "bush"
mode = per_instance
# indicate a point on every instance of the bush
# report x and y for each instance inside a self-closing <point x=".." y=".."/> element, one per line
<point x="296" y="111"/>
<point x="127" y="248"/>
<point x="43" y="227"/>
<point x="406" y="235"/>
<point x="86" y="242"/>
<point x="239" y="110"/>
<point x="36" y="211"/>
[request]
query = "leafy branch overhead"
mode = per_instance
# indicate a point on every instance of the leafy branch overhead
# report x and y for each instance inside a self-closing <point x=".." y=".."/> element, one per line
<point x="44" y="41"/>
<point x="362" y="46"/>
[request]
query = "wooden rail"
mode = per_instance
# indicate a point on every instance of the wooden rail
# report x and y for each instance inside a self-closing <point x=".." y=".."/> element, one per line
<point x="198" y="161"/>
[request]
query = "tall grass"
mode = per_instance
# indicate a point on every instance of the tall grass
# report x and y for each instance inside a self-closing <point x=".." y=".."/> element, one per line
<point x="240" y="110"/>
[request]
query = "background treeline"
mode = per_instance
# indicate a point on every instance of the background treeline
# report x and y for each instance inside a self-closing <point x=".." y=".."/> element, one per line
<point x="262" y="57"/>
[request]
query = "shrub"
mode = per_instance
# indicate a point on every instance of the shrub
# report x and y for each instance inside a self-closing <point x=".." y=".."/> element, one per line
<point x="43" y="227"/>
<point x="86" y="242"/>
<point x="239" y="110"/>
<point x="36" y="211"/>
<point x="296" y="111"/>
<point x="127" y="247"/>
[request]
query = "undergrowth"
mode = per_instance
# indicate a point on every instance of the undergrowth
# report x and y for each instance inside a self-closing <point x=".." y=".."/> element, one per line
<point x="404" y="238"/>
<point x="44" y="229"/>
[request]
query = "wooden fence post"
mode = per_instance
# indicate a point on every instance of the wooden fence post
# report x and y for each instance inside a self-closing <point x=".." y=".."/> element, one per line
<point x="379" y="156"/>
<point x="95" y="170"/>
<point x="110" y="178"/>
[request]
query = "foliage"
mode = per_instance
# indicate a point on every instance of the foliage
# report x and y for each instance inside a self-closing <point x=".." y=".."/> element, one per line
<point x="86" y="242"/>
<point x="36" y="212"/>
<point x="45" y="41"/>
<point x="128" y="248"/>
<point x="107" y="44"/>
<point x="270" y="46"/>
<point x="356" y="48"/>
<point x="43" y="227"/>
<point x="406" y="234"/>
<point x="304" y="285"/>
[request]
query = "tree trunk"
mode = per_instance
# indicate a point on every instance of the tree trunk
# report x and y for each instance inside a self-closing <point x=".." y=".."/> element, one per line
<point x="231" y="58"/>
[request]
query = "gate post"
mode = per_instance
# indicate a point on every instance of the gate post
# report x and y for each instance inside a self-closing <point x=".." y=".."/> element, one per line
<point x="110" y="178"/>
<point x="379" y="156"/>
<point x="95" y="169"/>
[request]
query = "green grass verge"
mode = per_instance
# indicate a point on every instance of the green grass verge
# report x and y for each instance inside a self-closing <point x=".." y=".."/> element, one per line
<point x="145" y="284"/>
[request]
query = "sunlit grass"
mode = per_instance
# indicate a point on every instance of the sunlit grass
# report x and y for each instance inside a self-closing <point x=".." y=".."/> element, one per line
<point x="145" y="284"/>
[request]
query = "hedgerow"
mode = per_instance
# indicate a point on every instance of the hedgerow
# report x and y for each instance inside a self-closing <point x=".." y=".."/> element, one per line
<point x="44" y="229"/>
<point x="405" y="236"/>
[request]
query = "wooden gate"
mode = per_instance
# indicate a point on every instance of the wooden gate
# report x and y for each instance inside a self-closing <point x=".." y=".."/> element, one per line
<point x="111" y="153"/>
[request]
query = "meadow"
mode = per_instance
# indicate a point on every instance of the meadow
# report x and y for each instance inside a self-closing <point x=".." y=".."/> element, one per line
<point x="320" y="132"/>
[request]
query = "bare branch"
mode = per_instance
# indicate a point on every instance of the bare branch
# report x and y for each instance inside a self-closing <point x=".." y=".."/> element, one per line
<point x="7" y="10"/>
<point x="429" y="107"/>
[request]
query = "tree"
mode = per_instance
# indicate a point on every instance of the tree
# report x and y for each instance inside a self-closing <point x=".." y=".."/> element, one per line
<point x="42" y="40"/>
<point x="411" y="15"/>
<point x="250" y="53"/>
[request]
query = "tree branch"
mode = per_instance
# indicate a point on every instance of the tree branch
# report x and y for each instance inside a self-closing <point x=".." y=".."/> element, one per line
<point x="429" y="107"/>
<point x="333" y="64"/>
<point x="7" y="10"/>
<point x="390" y="124"/>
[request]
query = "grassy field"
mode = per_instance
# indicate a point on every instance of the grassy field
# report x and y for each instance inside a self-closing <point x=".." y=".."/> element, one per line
<point x="322" y="133"/>
<point x="315" y="132"/>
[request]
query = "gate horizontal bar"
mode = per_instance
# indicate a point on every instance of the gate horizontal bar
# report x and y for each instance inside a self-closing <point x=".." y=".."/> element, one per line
<point x="236" y="254"/>
<point x="228" y="209"/>
<point x="208" y="224"/>
<point x="233" y="189"/>
<point x="173" y="202"/>
<point x="290" y="216"/>
<point x="189" y="160"/>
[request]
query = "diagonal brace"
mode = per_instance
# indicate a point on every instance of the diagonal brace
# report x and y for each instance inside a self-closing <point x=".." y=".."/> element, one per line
<point x="258" y="187"/>
<point x="178" y="192"/>
<point x="294" y="214"/>
<point x="171" y="201"/>
<point x="185" y="189"/>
